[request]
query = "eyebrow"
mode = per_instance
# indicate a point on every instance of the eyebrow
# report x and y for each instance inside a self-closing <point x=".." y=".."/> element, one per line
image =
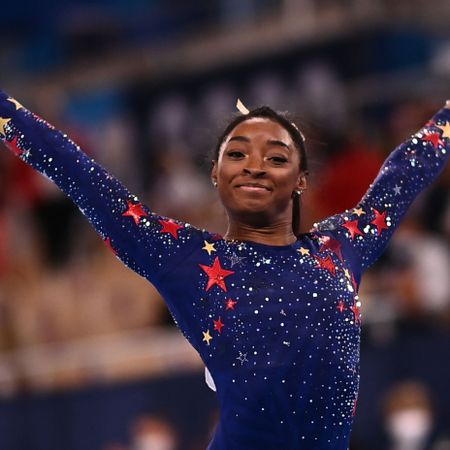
<point x="239" y="139"/>
<point x="270" y="141"/>
<point x="279" y="143"/>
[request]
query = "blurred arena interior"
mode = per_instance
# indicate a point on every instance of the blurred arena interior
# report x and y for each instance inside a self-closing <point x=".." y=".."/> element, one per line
<point x="89" y="356"/>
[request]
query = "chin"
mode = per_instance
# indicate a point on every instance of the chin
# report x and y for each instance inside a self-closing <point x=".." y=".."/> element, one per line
<point x="252" y="210"/>
<point x="257" y="209"/>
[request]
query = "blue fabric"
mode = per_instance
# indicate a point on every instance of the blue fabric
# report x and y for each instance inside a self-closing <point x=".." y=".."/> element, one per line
<point x="277" y="326"/>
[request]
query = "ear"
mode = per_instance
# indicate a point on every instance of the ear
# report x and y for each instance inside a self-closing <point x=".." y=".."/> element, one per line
<point x="214" y="171"/>
<point x="302" y="182"/>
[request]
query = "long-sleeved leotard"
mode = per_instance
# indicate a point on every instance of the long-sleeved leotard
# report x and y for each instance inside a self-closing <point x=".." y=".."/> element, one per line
<point x="278" y="326"/>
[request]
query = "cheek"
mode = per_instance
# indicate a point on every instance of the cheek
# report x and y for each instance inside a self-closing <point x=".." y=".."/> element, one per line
<point x="225" y="171"/>
<point x="223" y="182"/>
<point x="287" y="180"/>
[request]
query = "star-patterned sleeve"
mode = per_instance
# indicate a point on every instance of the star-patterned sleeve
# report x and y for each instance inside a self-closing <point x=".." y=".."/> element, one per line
<point x="366" y="229"/>
<point x="144" y="241"/>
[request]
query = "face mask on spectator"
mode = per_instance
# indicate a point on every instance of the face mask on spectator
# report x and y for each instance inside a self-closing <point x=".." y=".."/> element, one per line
<point x="409" y="425"/>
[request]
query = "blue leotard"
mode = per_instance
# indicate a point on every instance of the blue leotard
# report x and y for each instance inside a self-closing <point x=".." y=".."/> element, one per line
<point x="277" y="326"/>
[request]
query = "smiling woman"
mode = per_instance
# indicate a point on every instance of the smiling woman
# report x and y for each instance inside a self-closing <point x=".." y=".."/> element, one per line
<point x="274" y="314"/>
<point x="261" y="154"/>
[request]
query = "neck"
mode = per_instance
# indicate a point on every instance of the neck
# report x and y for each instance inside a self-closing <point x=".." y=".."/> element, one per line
<point x="275" y="234"/>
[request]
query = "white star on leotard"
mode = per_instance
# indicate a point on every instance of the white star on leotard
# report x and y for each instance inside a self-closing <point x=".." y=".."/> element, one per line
<point x="242" y="358"/>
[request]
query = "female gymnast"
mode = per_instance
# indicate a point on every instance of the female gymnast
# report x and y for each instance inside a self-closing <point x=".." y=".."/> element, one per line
<point x="274" y="314"/>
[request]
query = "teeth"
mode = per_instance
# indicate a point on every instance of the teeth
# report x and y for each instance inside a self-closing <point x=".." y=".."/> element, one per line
<point x="253" y="186"/>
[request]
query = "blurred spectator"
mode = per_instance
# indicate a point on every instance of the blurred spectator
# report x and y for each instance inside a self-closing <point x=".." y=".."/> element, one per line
<point x="180" y="191"/>
<point x="169" y="122"/>
<point x="435" y="207"/>
<point x="409" y="419"/>
<point x="340" y="178"/>
<point x="268" y="88"/>
<point x="419" y="278"/>
<point x="319" y="94"/>
<point x="152" y="432"/>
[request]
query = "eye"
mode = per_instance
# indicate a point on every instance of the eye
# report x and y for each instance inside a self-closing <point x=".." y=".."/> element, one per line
<point x="235" y="154"/>
<point x="278" y="160"/>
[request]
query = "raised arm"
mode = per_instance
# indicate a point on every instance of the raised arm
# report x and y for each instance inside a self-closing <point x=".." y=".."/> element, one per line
<point x="366" y="229"/>
<point x="144" y="241"/>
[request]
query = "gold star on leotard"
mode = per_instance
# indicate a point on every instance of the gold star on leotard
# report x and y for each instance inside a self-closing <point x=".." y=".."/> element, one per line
<point x="16" y="103"/>
<point x="206" y="336"/>
<point x="3" y="123"/>
<point x="445" y="130"/>
<point x="209" y="247"/>
<point x="304" y="251"/>
<point x="358" y="211"/>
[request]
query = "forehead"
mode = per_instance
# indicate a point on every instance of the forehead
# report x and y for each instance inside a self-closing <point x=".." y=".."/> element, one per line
<point x="261" y="127"/>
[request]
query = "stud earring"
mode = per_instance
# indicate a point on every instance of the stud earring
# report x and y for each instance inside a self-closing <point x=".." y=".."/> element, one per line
<point x="214" y="183"/>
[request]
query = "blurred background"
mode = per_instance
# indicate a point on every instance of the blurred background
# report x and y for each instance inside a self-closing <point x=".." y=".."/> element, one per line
<point x="89" y="356"/>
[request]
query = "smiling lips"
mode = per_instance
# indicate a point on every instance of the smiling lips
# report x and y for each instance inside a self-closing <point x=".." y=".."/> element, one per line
<point x="253" y="187"/>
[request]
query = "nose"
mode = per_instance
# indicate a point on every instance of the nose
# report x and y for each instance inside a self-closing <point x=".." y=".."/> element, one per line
<point x="255" y="167"/>
<point x="255" y="172"/>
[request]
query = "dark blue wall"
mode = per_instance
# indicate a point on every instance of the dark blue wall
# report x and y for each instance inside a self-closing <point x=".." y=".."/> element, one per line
<point x="87" y="419"/>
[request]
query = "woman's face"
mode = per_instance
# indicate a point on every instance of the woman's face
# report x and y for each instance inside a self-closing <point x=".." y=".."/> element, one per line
<point x="257" y="171"/>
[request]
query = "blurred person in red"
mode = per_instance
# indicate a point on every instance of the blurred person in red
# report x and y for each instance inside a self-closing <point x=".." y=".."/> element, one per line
<point x="340" y="176"/>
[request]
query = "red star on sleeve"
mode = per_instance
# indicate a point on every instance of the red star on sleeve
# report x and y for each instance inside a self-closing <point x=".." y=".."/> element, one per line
<point x="341" y="306"/>
<point x="169" y="226"/>
<point x="352" y="226"/>
<point x="357" y="313"/>
<point x="14" y="146"/>
<point x="333" y="244"/>
<point x="434" y="138"/>
<point x="326" y="263"/>
<point x="380" y="221"/>
<point x="218" y="325"/>
<point x="230" y="304"/>
<point x="216" y="274"/>
<point x="135" y="211"/>
<point x="109" y="245"/>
